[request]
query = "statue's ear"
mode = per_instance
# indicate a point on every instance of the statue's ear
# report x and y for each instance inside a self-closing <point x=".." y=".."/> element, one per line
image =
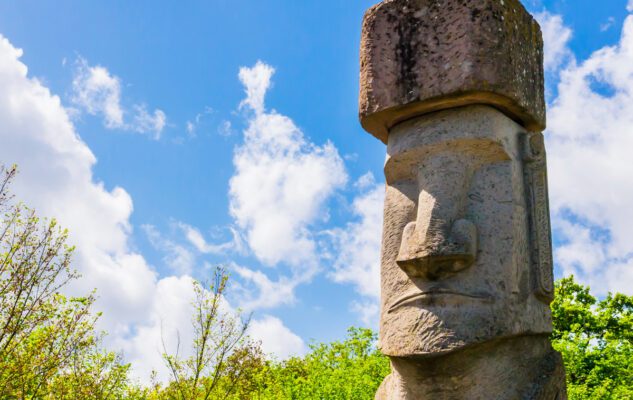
<point x="535" y="170"/>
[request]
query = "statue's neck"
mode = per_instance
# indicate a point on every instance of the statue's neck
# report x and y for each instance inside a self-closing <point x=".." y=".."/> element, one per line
<point x="518" y="368"/>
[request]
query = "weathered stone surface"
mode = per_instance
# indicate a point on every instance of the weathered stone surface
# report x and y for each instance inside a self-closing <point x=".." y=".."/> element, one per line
<point x="457" y="257"/>
<point x="466" y="273"/>
<point x="523" y="368"/>
<point x="420" y="56"/>
<point x="455" y="90"/>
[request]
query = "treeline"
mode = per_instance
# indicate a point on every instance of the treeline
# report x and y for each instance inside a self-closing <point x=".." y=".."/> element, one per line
<point x="50" y="349"/>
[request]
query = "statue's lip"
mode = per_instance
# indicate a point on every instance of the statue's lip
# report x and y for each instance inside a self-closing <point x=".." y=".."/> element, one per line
<point x="435" y="293"/>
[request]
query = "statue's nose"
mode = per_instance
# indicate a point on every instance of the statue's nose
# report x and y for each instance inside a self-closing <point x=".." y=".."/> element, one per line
<point x="441" y="255"/>
<point x="441" y="241"/>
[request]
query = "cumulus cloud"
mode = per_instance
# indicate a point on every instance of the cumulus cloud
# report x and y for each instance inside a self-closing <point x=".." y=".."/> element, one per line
<point x="225" y="128"/>
<point x="177" y="257"/>
<point x="167" y="328"/>
<point x="582" y="253"/>
<point x="96" y="91"/>
<point x="368" y="311"/>
<point x="629" y="6"/>
<point x="589" y="136"/>
<point x="192" y="126"/>
<point x="357" y="246"/>
<point x="280" y="185"/>
<point x="256" y="81"/>
<point x="144" y="122"/>
<point x="257" y="291"/>
<point x="556" y="36"/>
<point x="281" y="179"/>
<point x="194" y="237"/>
<point x="276" y="339"/>
<point x="56" y="179"/>
<point x="140" y="310"/>
<point x="607" y="25"/>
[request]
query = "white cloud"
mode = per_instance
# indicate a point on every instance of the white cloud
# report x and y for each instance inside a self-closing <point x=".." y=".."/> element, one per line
<point x="56" y="179"/>
<point x="199" y="242"/>
<point x="169" y="328"/>
<point x="177" y="257"/>
<point x="192" y="126"/>
<point x="278" y="191"/>
<point x="629" y="6"/>
<point x="225" y="129"/>
<point x="619" y="276"/>
<point x="556" y="36"/>
<point x="607" y="25"/>
<point x="144" y="122"/>
<point x="257" y="291"/>
<point x="357" y="246"/>
<point x="368" y="311"/>
<point x="169" y="322"/>
<point x="276" y="339"/>
<point x="581" y="251"/>
<point x="98" y="92"/>
<point x="256" y="81"/>
<point x="366" y="181"/>
<point x="281" y="180"/>
<point x="355" y="249"/>
<point x="589" y="136"/>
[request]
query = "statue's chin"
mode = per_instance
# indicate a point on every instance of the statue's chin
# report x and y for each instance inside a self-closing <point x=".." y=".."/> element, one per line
<point x="438" y="324"/>
<point x="435" y="331"/>
<point x="442" y="347"/>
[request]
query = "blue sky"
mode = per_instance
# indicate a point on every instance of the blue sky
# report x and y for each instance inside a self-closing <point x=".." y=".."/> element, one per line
<point x="163" y="158"/>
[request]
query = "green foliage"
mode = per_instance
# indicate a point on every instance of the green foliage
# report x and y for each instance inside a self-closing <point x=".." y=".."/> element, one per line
<point x="350" y="370"/>
<point x="49" y="348"/>
<point x="223" y="358"/>
<point x="48" y="345"/>
<point x="594" y="336"/>
<point x="596" y="341"/>
<point x="94" y="374"/>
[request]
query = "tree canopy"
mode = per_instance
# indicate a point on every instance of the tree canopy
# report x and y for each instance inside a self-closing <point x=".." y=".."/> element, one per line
<point x="50" y="349"/>
<point x="595" y="338"/>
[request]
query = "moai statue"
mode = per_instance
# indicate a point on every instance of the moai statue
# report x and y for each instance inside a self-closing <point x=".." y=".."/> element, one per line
<point x="455" y="90"/>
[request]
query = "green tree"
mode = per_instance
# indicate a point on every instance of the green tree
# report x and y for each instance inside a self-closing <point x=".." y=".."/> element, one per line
<point x="351" y="370"/>
<point x="95" y="374"/>
<point x="49" y="348"/>
<point x="47" y="340"/>
<point x="595" y="338"/>
<point x="224" y="358"/>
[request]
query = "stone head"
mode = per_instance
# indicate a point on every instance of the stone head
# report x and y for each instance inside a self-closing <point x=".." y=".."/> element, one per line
<point x="461" y="262"/>
<point x="455" y="89"/>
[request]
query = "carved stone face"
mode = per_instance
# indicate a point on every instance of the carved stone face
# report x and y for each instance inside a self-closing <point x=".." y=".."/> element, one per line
<point x="458" y="255"/>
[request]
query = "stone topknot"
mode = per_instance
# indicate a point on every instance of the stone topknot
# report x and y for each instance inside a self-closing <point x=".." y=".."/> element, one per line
<point x="420" y="56"/>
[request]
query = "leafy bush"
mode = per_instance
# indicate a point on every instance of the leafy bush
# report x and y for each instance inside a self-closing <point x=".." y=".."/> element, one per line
<point x="48" y="344"/>
<point x="596" y="341"/>
<point x="49" y="348"/>
<point x="351" y="370"/>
